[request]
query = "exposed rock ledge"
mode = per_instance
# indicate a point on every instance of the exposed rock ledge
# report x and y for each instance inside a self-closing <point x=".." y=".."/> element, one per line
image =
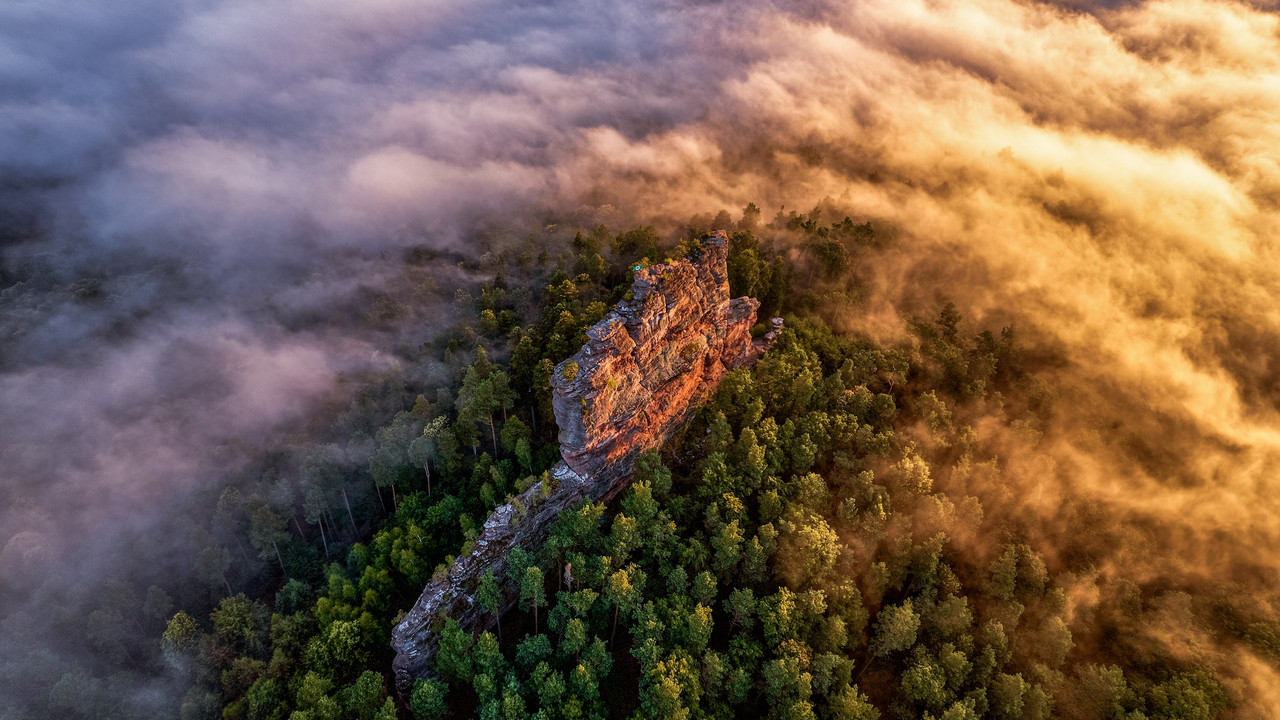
<point x="645" y="366"/>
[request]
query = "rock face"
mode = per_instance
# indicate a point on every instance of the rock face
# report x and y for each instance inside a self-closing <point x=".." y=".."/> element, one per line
<point x="650" y="361"/>
<point x="415" y="639"/>
<point x="645" y="366"/>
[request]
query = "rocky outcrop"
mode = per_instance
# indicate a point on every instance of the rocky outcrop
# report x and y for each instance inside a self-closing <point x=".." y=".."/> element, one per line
<point x="645" y="366"/>
<point x="650" y="361"/>
<point x="525" y="523"/>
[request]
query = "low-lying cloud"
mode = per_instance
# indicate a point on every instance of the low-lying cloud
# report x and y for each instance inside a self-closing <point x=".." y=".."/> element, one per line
<point x="1107" y="177"/>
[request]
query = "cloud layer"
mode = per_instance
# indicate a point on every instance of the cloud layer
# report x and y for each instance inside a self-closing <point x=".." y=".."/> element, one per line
<point x="1106" y="177"/>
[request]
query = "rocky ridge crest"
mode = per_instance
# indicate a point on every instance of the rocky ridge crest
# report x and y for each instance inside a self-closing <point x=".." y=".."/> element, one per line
<point x="644" y="368"/>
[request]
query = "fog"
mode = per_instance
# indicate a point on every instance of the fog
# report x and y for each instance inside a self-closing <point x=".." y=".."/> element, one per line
<point x="195" y="194"/>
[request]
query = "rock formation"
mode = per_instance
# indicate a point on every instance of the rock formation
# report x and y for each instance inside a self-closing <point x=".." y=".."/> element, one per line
<point x="645" y="366"/>
<point x="650" y="361"/>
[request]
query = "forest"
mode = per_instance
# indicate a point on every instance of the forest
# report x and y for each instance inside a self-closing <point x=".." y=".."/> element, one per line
<point x="830" y="536"/>
<point x="282" y="286"/>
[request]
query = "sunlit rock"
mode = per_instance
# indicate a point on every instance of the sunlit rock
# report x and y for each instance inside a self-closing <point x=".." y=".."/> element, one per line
<point x="645" y="366"/>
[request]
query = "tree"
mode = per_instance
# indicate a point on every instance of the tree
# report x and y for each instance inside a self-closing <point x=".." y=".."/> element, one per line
<point x="181" y="636"/>
<point x="483" y="403"/>
<point x="524" y="358"/>
<point x="808" y="550"/>
<point x="727" y="543"/>
<point x="387" y="711"/>
<point x="489" y="597"/>
<point x="1007" y="695"/>
<point x="699" y="626"/>
<point x="513" y="707"/>
<point x="849" y="704"/>
<point x="314" y="507"/>
<point x="575" y="638"/>
<point x="542" y="390"/>
<point x="266" y="700"/>
<point x="532" y="591"/>
<point x="228" y="518"/>
<point x="266" y="530"/>
<point x="363" y="699"/>
<point x="831" y="257"/>
<point x="324" y="472"/>
<point x="428" y="699"/>
<point x="513" y="431"/>
<point x="241" y="624"/>
<point x="549" y="685"/>
<point x="454" y="657"/>
<point x="719" y="435"/>
<point x="480" y="394"/>
<point x="639" y="503"/>
<point x="464" y="429"/>
<point x="423" y="448"/>
<point x="1196" y="695"/>
<point x="158" y="603"/>
<point x="925" y="682"/>
<point x="624" y="537"/>
<point x="313" y="697"/>
<point x="896" y="628"/>
<point x="672" y="686"/>
<point x="486" y="657"/>
<point x="112" y="626"/>
<point x="503" y="396"/>
<point x="393" y="451"/>
<point x="649" y="469"/>
<point x="741" y="606"/>
<point x="532" y="650"/>
<point x="517" y="562"/>
<point x="704" y="587"/>
<point x="295" y="596"/>
<point x="524" y="453"/>
<point x="622" y="593"/>
<point x="212" y="564"/>
<point x="748" y="457"/>
<point x="78" y="693"/>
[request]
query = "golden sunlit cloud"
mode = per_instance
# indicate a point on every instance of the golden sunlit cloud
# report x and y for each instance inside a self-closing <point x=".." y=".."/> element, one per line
<point x="1107" y="181"/>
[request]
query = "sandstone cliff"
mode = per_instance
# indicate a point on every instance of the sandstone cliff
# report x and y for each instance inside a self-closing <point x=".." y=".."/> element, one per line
<point x="650" y="361"/>
<point x="645" y="366"/>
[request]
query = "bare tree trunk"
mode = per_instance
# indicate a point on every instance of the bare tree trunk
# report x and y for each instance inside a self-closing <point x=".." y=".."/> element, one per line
<point x="349" y="513"/>
<point x="323" y="539"/>
<point x="298" y="525"/>
<point x="493" y="434"/>
<point x="614" y="632"/>
<point x="243" y="553"/>
<point x="281" y="559"/>
<point x="396" y="503"/>
<point x="426" y="466"/>
<point x="224" y="582"/>
<point x="380" y="500"/>
<point x="533" y="421"/>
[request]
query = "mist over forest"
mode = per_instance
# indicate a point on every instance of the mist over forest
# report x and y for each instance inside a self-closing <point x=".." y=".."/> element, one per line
<point x="234" y="234"/>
